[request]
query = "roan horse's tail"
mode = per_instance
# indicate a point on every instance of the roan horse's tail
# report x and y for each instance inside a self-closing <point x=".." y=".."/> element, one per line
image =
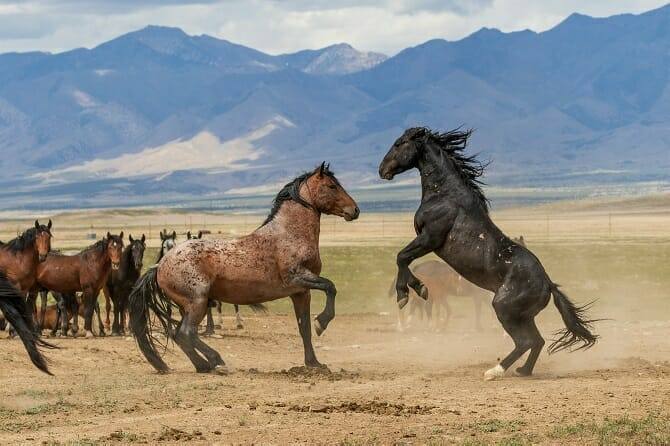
<point x="18" y="314"/>
<point x="147" y="295"/>
<point x="578" y="328"/>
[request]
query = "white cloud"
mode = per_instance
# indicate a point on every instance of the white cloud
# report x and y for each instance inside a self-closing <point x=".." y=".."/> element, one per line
<point x="277" y="26"/>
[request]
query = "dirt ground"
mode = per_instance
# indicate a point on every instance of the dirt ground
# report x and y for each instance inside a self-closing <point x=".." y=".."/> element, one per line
<point x="384" y="387"/>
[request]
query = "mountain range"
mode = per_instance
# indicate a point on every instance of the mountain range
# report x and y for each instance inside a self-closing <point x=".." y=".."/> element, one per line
<point x="159" y="116"/>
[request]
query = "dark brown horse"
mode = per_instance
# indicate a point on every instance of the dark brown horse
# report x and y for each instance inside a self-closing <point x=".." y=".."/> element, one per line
<point x="280" y="258"/>
<point x="86" y="271"/>
<point x="443" y="283"/>
<point x="120" y="282"/>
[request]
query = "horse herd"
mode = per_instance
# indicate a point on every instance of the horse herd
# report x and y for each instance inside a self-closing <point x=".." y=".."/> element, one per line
<point x="281" y="258"/>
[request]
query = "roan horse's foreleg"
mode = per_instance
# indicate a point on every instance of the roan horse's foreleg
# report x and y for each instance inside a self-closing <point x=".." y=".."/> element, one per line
<point x="301" y="303"/>
<point x="310" y="280"/>
<point x="419" y="247"/>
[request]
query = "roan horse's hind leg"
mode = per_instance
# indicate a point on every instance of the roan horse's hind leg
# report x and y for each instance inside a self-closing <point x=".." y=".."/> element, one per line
<point x="301" y="302"/>
<point x="188" y="340"/>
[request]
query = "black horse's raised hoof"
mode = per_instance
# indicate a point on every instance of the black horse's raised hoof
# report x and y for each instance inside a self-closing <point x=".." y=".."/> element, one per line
<point x="402" y="301"/>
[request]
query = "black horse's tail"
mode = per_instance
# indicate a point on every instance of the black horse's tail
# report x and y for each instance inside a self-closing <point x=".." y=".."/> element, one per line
<point x="18" y="314"/>
<point x="147" y="295"/>
<point x="578" y="328"/>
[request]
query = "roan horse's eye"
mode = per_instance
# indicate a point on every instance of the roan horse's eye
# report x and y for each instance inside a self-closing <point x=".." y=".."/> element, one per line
<point x="332" y="186"/>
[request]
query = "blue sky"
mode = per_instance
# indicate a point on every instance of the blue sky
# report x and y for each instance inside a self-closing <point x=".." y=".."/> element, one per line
<point x="277" y="26"/>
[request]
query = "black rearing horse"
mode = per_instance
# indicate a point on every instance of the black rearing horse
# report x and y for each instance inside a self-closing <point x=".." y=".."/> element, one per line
<point x="453" y="222"/>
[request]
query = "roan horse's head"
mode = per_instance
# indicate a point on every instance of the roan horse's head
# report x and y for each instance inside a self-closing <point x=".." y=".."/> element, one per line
<point x="114" y="248"/>
<point x="137" y="247"/>
<point x="42" y="239"/>
<point x="328" y="196"/>
<point x="403" y="154"/>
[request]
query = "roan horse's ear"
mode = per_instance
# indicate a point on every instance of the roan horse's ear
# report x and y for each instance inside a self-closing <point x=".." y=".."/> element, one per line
<point x="322" y="168"/>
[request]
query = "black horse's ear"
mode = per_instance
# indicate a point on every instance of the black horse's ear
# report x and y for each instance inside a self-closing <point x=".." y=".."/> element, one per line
<point x="37" y="224"/>
<point x="143" y="238"/>
<point x="174" y="235"/>
<point x="49" y="224"/>
<point x="130" y="238"/>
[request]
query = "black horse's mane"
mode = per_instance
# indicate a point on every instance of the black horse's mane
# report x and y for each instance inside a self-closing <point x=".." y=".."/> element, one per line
<point x="453" y="143"/>
<point x="291" y="191"/>
<point x="21" y="242"/>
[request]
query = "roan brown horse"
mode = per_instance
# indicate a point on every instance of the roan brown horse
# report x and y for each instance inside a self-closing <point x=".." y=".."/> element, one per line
<point x="86" y="271"/>
<point x="280" y="258"/>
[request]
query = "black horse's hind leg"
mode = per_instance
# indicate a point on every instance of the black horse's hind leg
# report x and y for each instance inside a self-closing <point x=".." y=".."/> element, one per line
<point x="536" y="342"/>
<point x="516" y="308"/>
<point x="301" y="303"/>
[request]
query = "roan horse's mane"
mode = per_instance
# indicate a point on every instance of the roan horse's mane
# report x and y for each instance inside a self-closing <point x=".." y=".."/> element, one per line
<point x="453" y="143"/>
<point x="23" y="241"/>
<point x="291" y="191"/>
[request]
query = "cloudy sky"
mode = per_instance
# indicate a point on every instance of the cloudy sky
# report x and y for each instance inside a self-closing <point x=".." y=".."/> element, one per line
<point x="277" y="26"/>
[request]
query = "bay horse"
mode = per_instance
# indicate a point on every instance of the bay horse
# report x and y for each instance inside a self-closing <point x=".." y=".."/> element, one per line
<point x="453" y="221"/>
<point x="442" y="283"/>
<point x="209" y="326"/>
<point x="84" y="272"/>
<point x="120" y="282"/>
<point x="280" y="258"/>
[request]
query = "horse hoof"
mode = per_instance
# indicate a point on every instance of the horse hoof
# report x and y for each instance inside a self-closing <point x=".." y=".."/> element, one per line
<point x="494" y="373"/>
<point x="221" y="369"/>
<point x="522" y="372"/>
<point x="402" y="302"/>
<point x="89" y="334"/>
<point x="240" y="327"/>
<point x="423" y="292"/>
<point x="317" y="327"/>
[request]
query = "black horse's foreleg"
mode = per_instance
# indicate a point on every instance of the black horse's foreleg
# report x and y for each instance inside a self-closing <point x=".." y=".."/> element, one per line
<point x="419" y="247"/>
<point x="301" y="303"/>
<point x="310" y="280"/>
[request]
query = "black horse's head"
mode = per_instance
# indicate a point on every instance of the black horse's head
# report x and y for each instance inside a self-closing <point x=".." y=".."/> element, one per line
<point x="404" y="153"/>
<point x="137" y="247"/>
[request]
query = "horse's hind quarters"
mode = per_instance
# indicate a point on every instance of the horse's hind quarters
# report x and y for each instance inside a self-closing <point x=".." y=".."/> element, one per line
<point x="494" y="373"/>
